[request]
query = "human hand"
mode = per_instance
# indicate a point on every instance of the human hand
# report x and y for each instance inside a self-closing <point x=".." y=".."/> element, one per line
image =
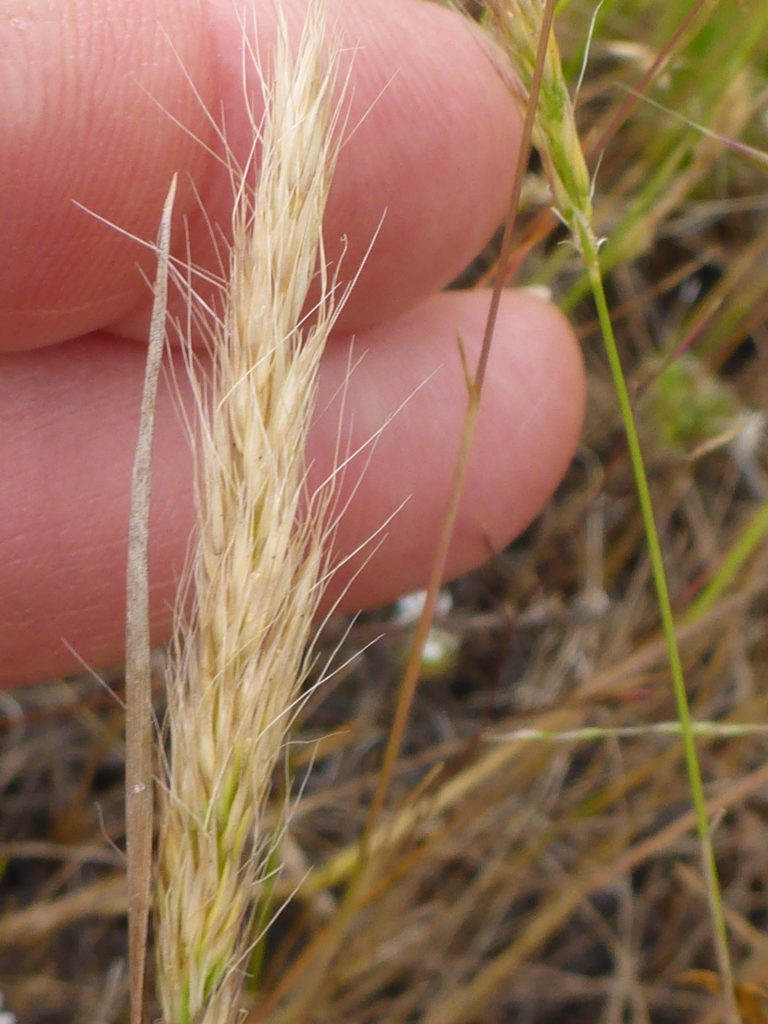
<point x="95" y="96"/>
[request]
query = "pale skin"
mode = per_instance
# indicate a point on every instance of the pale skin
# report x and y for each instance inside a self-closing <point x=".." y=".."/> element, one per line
<point x="93" y="98"/>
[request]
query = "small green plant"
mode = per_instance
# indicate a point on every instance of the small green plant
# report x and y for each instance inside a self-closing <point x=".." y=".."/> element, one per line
<point x="688" y="405"/>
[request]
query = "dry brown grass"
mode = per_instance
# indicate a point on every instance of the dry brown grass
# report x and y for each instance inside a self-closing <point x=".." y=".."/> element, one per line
<point x="519" y="882"/>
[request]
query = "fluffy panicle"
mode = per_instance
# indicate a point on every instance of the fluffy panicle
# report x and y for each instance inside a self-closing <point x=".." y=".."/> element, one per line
<point x="259" y="558"/>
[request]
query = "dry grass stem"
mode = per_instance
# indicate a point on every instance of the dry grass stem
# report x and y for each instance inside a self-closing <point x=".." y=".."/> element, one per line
<point x="139" y="810"/>
<point x="553" y="875"/>
<point x="260" y="553"/>
<point x="474" y="382"/>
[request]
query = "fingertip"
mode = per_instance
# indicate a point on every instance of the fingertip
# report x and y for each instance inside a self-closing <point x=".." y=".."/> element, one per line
<point x="529" y="424"/>
<point x="407" y="400"/>
<point x="71" y="413"/>
<point x="94" y="95"/>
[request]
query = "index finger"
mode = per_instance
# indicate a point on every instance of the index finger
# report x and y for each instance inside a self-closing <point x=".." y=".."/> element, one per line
<point x="104" y="102"/>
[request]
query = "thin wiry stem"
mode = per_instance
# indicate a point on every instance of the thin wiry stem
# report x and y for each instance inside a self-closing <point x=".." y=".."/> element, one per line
<point x="138" y="674"/>
<point x="518" y="25"/>
<point x="591" y="733"/>
<point x="474" y="387"/>
<point x="709" y="863"/>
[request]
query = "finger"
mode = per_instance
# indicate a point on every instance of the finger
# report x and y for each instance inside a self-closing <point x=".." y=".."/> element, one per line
<point x="101" y="107"/>
<point x="80" y="125"/>
<point x="407" y="403"/>
<point x="70" y="422"/>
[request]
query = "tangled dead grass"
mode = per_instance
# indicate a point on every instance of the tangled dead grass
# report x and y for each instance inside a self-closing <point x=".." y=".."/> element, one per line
<point x="510" y="879"/>
<point x="260" y="562"/>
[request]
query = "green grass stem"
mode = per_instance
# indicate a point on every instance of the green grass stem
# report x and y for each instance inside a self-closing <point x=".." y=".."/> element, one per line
<point x="746" y="542"/>
<point x="591" y="258"/>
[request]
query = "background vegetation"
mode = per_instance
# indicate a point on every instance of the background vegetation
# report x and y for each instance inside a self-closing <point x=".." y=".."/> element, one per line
<point x="515" y="877"/>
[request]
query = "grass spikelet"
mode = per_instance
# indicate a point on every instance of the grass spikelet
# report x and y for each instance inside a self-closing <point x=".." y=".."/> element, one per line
<point x="517" y="26"/>
<point x="259" y="559"/>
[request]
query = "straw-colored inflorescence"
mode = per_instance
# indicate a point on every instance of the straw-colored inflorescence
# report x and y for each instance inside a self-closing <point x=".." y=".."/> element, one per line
<point x="257" y="569"/>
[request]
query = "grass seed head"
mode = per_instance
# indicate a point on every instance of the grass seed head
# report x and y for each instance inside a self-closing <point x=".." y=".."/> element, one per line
<point x="517" y="25"/>
<point x="241" y="655"/>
